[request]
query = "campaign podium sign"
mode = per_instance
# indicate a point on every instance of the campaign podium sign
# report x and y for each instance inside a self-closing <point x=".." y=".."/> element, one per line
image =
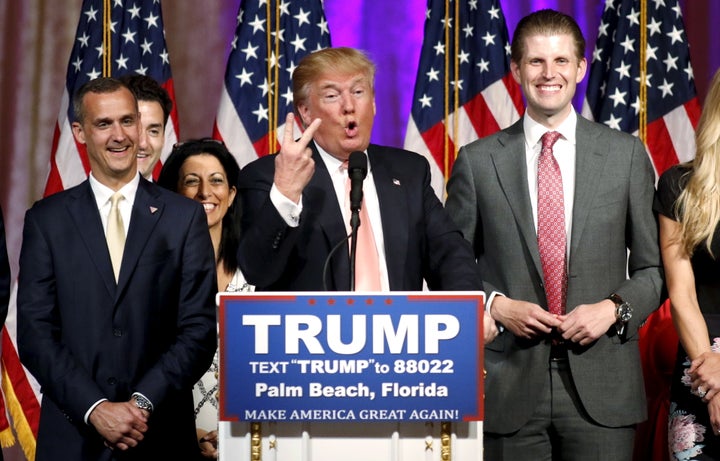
<point x="349" y="357"/>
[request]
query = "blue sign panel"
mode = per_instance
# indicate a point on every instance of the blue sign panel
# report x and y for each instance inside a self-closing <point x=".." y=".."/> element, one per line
<point x="351" y="357"/>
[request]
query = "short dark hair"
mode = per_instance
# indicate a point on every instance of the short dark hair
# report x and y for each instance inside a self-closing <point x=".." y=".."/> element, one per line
<point x="170" y="178"/>
<point x="545" y="22"/>
<point x="97" y="85"/>
<point x="148" y="89"/>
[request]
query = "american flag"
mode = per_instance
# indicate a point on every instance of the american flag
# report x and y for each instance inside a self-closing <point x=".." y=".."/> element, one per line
<point x="270" y="38"/>
<point x="613" y="97"/>
<point x="463" y="89"/>
<point x="613" y="91"/>
<point x="128" y="38"/>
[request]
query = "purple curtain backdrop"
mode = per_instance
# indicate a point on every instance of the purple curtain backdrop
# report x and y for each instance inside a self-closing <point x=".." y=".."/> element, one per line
<point x="392" y="33"/>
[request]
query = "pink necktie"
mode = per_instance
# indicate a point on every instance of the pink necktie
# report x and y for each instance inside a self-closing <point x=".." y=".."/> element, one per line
<point x="367" y="265"/>
<point x="551" y="225"/>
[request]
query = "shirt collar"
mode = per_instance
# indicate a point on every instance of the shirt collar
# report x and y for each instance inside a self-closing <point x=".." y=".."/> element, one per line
<point x="103" y="193"/>
<point x="534" y="130"/>
<point x="331" y="163"/>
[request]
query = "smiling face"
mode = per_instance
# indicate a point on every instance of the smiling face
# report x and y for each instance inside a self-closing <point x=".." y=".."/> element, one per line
<point x="152" y="136"/>
<point x="548" y="73"/>
<point x="203" y="178"/>
<point x="110" y="131"/>
<point x="346" y="105"/>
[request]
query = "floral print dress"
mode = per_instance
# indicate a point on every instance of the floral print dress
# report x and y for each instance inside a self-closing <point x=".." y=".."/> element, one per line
<point x="690" y="434"/>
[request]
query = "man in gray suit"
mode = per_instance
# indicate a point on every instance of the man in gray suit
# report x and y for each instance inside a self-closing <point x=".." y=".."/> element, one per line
<point x="563" y="378"/>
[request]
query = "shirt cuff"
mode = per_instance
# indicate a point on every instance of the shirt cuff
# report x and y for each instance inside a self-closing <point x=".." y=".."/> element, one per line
<point x="87" y="413"/>
<point x="289" y="210"/>
<point x="488" y="307"/>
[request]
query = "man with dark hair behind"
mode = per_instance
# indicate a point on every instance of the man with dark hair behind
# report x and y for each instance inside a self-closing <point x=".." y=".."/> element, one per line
<point x="155" y="106"/>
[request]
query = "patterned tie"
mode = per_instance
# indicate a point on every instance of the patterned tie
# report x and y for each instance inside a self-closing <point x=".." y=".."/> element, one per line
<point x="551" y="225"/>
<point x="115" y="234"/>
<point x="367" y="265"/>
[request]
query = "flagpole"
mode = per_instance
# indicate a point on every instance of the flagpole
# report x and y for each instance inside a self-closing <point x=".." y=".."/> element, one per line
<point x="642" y="123"/>
<point x="268" y="69"/>
<point x="107" y="38"/>
<point x="456" y="91"/>
<point x="446" y="92"/>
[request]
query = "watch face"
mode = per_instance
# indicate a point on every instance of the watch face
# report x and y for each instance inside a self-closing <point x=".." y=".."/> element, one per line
<point x="625" y="313"/>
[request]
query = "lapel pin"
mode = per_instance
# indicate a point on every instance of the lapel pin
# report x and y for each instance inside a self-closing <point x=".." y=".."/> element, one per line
<point x="153" y="209"/>
<point x="396" y="182"/>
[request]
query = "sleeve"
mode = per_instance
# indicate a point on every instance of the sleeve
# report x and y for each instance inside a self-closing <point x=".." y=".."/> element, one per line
<point x="642" y="290"/>
<point x="668" y="190"/>
<point x="451" y="261"/>
<point x="191" y="353"/>
<point x="266" y="239"/>
<point x="40" y="344"/>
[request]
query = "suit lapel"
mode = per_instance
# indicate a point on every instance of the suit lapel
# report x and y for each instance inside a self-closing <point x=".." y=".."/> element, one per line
<point x="393" y="214"/>
<point x="321" y="200"/>
<point x="512" y="174"/>
<point x="146" y="212"/>
<point x="84" y="211"/>
<point x="589" y="159"/>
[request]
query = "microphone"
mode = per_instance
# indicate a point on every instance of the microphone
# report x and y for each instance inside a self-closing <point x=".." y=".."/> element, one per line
<point x="357" y="170"/>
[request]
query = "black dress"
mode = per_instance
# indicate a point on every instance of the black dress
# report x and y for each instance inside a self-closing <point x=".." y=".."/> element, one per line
<point x="690" y="435"/>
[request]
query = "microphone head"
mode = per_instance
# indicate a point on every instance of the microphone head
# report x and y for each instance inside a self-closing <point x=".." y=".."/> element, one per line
<point x="357" y="163"/>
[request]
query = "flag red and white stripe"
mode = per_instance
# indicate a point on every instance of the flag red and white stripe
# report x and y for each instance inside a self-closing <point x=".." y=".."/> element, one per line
<point x="464" y="89"/>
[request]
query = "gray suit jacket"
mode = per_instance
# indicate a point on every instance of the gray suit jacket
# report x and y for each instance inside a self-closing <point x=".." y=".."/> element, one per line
<point x="612" y="214"/>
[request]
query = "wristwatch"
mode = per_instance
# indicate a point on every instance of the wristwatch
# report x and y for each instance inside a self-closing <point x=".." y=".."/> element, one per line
<point x="623" y="312"/>
<point x="142" y="403"/>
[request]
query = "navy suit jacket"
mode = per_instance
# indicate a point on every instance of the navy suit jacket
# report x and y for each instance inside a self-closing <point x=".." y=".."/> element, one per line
<point x="421" y="241"/>
<point x="86" y="338"/>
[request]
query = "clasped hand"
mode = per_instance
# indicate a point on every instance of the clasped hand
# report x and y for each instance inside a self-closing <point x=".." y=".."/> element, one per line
<point x="121" y="424"/>
<point x="583" y="325"/>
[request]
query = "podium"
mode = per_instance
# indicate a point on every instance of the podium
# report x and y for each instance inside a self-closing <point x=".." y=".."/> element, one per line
<point x="347" y="376"/>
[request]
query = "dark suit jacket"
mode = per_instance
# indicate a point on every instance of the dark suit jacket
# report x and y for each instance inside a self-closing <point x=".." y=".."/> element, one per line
<point x="85" y="338"/>
<point x="421" y="241"/>
<point x="612" y="213"/>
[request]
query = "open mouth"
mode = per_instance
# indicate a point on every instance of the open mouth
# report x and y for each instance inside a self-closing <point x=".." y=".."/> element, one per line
<point x="351" y="129"/>
<point x="209" y="207"/>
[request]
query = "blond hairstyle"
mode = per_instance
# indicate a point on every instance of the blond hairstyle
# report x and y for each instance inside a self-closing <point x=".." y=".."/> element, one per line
<point x="698" y="206"/>
<point x="341" y="60"/>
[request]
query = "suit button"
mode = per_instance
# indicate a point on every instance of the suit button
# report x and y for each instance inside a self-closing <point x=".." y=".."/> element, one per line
<point x="112" y="381"/>
<point x="117" y="332"/>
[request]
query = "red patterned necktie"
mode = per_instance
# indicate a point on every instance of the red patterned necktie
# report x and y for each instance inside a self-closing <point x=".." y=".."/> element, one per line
<point x="367" y="262"/>
<point x="551" y="225"/>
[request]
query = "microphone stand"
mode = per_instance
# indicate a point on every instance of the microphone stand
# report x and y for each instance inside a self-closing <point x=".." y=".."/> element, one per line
<point x="354" y="224"/>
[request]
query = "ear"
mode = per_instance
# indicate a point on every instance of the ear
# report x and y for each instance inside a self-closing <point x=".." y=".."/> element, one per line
<point x="515" y="69"/>
<point x="304" y="112"/>
<point x="78" y="132"/>
<point x="582" y="68"/>
<point x="233" y="192"/>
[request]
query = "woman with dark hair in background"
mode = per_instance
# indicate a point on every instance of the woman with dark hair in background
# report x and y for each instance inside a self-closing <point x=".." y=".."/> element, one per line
<point x="204" y="170"/>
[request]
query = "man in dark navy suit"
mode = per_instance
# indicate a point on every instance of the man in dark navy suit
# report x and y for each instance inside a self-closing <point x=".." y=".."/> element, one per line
<point x="115" y="341"/>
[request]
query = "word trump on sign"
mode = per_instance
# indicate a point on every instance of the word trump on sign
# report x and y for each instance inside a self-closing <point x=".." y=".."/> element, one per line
<point x="322" y="334"/>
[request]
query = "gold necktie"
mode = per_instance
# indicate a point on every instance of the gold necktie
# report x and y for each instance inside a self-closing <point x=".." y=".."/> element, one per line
<point x="115" y="233"/>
